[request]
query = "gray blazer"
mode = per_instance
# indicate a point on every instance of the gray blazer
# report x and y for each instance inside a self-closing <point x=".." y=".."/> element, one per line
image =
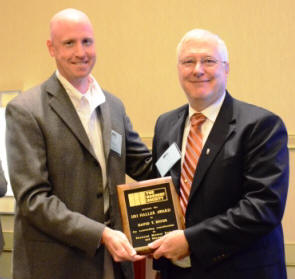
<point x="3" y="189"/>
<point x="57" y="182"/>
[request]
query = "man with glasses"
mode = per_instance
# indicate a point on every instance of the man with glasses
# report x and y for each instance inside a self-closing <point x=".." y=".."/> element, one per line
<point x="231" y="174"/>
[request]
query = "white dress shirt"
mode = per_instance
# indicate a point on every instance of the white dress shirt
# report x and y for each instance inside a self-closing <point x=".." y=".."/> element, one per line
<point x="211" y="113"/>
<point x="85" y="105"/>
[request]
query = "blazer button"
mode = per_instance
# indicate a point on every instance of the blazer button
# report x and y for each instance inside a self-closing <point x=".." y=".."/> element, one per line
<point x="99" y="195"/>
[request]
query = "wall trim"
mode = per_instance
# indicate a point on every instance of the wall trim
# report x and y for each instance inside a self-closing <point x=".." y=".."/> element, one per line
<point x="290" y="254"/>
<point x="7" y="205"/>
<point x="149" y="142"/>
<point x="291" y="143"/>
<point x="8" y="240"/>
<point x="289" y="248"/>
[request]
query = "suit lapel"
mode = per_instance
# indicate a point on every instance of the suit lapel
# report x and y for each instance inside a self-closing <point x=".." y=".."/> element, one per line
<point x="62" y="105"/>
<point x="223" y="127"/>
<point x="175" y="135"/>
<point x="106" y="126"/>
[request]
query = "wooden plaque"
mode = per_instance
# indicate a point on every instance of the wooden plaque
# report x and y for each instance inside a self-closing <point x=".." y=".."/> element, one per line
<point x="149" y="210"/>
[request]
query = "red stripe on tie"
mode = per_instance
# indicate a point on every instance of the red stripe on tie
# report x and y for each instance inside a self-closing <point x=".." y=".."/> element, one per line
<point x="191" y="158"/>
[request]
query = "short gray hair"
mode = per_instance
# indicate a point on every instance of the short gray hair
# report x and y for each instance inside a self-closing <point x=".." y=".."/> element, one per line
<point x="201" y="34"/>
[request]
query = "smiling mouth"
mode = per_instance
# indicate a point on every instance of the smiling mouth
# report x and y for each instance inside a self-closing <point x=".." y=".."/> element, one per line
<point x="199" y="81"/>
<point x="80" y="63"/>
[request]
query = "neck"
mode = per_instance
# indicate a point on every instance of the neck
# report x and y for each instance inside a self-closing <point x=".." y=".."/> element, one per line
<point x="198" y="106"/>
<point x="202" y="103"/>
<point x="81" y="85"/>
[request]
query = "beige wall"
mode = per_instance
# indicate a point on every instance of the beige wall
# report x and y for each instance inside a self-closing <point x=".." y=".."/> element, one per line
<point x="136" y="42"/>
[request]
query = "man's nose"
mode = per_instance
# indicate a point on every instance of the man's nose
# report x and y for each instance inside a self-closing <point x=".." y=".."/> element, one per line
<point x="198" y="68"/>
<point x="80" y="50"/>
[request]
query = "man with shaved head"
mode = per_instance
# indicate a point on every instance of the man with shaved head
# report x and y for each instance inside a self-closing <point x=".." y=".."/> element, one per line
<point x="231" y="174"/>
<point x="69" y="144"/>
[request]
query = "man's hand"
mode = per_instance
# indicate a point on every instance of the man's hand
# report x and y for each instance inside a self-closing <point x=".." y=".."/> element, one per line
<point x="173" y="246"/>
<point x="118" y="245"/>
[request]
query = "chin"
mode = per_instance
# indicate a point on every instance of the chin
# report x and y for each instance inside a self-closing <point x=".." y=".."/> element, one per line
<point x="198" y="94"/>
<point x="82" y="74"/>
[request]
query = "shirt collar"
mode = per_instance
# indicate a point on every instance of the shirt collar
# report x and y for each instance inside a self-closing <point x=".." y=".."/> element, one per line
<point x="94" y="94"/>
<point x="211" y="111"/>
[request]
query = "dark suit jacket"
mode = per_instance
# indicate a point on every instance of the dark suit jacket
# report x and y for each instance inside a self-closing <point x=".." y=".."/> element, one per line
<point x="3" y="189"/>
<point x="237" y="200"/>
<point x="57" y="182"/>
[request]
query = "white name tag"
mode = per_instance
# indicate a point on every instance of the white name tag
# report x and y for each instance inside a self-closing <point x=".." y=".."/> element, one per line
<point x="116" y="142"/>
<point x="168" y="159"/>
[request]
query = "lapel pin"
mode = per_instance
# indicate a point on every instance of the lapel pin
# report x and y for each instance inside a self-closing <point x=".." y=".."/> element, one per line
<point x="207" y="151"/>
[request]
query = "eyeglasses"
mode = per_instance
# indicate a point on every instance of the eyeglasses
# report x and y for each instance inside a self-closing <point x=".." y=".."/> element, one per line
<point x="208" y="62"/>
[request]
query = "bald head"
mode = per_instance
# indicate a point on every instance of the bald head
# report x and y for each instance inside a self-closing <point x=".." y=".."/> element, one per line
<point x="72" y="45"/>
<point x="67" y="16"/>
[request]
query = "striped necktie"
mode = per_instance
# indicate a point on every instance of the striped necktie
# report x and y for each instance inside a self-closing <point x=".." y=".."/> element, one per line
<point x="191" y="158"/>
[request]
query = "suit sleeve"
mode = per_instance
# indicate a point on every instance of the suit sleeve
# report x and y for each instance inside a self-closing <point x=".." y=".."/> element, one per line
<point x="138" y="157"/>
<point x="264" y="176"/>
<point x="27" y="161"/>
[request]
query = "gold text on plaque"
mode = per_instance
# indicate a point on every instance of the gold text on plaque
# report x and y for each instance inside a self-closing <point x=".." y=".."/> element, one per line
<point x="147" y="197"/>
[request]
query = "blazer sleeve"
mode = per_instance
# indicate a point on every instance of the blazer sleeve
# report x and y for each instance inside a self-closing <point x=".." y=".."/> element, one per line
<point x="27" y="161"/>
<point x="258" y="212"/>
<point x="138" y="157"/>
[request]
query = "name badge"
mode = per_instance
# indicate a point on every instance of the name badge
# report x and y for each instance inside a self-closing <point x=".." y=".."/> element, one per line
<point x="168" y="159"/>
<point x="116" y="142"/>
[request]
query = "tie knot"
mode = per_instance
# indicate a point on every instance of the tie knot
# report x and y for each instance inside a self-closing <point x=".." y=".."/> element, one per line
<point x="197" y="119"/>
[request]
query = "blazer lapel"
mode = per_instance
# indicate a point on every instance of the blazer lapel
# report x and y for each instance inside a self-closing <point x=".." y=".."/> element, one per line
<point x="62" y="105"/>
<point x="176" y="135"/>
<point x="104" y="115"/>
<point x="223" y="127"/>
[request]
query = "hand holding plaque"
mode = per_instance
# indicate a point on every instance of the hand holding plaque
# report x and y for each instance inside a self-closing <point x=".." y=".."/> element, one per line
<point x="149" y="210"/>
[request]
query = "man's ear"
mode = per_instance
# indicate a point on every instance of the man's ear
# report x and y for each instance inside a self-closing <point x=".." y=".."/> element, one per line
<point x="50" y="47"/>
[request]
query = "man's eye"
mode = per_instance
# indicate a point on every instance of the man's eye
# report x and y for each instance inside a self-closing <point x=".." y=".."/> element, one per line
<point x="187" y="62"/>
<point x="87" y="42"/>
<point x="69" y="43"/>
<point x="209" y="61"/>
